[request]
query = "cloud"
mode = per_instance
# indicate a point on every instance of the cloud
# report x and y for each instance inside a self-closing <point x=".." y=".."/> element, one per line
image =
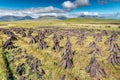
<point x="33" y="12"/>
<point x="77" y="3"/>
<point x="86" y="14"/>
<point x="95" y="15"/>
<point x="68" y="5"/>
<point x="111" y="15"/>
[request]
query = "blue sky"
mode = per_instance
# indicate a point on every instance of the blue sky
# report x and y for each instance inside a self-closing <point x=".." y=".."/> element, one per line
<point x="66" y="7"/>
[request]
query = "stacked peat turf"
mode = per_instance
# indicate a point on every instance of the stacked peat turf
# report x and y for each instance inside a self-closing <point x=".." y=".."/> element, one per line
<point x="30" y="33"/>
<point x="41" y="42"/>
<point x="111" y="39"/>
<point x="13" y="37"/>
<point x="67" y="56"/>
<point x="20" y="70"/>
<point x="56" y="45"/>
<point x="7" y="32"/>
<point x="95" y="49"/>
<point x="98" y="37"/>
<point x="104" y="33"/>
<point x="20" y="31"/>
<point x="60" y="36"/>
<point x="81" y="38"/>
<point x="114" y="59"/>
<point x="8" y="45"/>
<point x="36" y="69"/>
<point x="114" y="47"/>
<point x="32" y="40"/>
<point x="95" y="69"/>
<point x="114" y="36"/>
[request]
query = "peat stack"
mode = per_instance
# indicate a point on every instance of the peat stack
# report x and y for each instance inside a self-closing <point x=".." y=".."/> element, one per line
<point x="95" y="49"/>
<point x="41" y="42"/>
<point x="104" y="33"/>
<point x="94" y="69"/>
<point x="23" y="34"/>
<point x="8" y="45"/>
<point x="98" y="37"/>
<point x="35" y="64"/>
<point x="114" y="36"/>
<point x="20" y="70"/>
<point x="81" y="38"/>
<point x="30" y="33"/>
<point x="13" y="37"/>
<point x="37" y="38"/>
<point x="36" y="69"/>
<point x="92" y="44"/>
<point x="111" y="40"/>
<point x="114" y="59"/>
<point x="56" y="45"/>
<point x="67" y="56"/>
<point x="60" y="36"/>
<point x="32" y="40"/>
<point x="20" y="31"/>
<point x="114" y="47"/>
<point x="10" y="34"/>
<point x="41" y="35"/>
<point x="17" y="30"/>
<point x="7" y="32"/>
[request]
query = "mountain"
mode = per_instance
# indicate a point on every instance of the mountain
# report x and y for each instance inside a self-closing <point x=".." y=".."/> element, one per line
<point x="61" y="17"/>
<point x="15" y="18"/>
<point x="89" y="16"/>
<point x="52" y="17"/>
<point x="47" y="18"/>
<point x="27" y="18"/>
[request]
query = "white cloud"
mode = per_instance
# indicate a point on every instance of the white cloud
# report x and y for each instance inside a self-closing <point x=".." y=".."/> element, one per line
<point x="97" y="15"/>
<point x="75" y="4"/>
<point x="68" y="5"/>
<point x="87" y="14"/>
<point x="33" y="12"/>
<point x="79" y="3"/>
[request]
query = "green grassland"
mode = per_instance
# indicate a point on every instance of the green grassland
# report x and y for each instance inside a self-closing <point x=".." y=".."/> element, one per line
<point x="49" y="57"/>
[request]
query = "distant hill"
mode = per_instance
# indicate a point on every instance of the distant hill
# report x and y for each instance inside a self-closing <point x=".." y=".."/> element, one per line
<point x="52" y="18"/>
<point x="27" y="18"/>
<point x="81" y="19"/>
<point x="15" y="18"/>
<point x="91" y="20"/>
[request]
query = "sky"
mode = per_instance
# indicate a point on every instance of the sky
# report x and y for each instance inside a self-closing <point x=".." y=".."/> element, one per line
<point x="68" y="8"/>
